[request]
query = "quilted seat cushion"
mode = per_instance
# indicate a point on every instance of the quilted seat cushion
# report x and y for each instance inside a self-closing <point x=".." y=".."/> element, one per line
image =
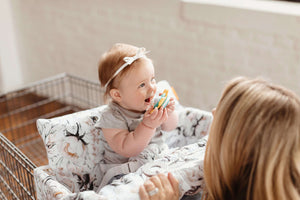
<point x="74" y="147"/>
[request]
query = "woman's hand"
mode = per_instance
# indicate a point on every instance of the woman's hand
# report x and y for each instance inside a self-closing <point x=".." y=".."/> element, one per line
<point x="160" y="187"/>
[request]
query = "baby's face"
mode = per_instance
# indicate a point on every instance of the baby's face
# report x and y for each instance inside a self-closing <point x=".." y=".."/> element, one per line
<point x="138" y="86"/>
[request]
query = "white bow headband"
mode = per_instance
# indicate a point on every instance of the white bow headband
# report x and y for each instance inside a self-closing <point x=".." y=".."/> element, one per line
<point x="128" y="61"/>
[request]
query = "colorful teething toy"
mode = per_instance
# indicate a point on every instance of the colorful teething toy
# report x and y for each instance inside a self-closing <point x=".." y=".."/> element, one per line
<point x="162" y="101"/>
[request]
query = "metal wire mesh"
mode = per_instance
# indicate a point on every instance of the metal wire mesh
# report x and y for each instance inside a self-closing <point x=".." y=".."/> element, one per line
<point x="19" y="110"/>
<point x="16" y="178"/>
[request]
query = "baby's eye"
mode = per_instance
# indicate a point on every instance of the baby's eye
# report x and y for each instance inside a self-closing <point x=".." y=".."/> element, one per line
<point x="142" y="85"/>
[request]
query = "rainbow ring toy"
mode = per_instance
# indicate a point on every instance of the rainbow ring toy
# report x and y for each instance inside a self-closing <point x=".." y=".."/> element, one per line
<point x="163" y="100"/>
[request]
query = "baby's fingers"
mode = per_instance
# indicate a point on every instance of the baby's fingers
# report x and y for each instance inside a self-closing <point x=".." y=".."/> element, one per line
<point x="164" y="116"/>
<point x="171" y="109"/>
<point x="172" y="101"/>
<point x="155" y="114"/>
<point x="152" y="113"/>
<point x="159" y="114"/>
<point x="171" y="106"/>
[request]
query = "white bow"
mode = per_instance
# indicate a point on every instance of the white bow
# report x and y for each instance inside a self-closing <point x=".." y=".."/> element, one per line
<point x="140" y="53"/>
<point x="128" y="61"/>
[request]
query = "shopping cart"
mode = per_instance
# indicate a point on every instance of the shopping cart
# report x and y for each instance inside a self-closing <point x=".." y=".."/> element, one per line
<point x="22" y="149"/>
<point x="16" y="177"/>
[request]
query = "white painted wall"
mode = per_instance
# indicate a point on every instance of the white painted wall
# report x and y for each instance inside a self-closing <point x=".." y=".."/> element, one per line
<point x="10" y="69"/>
<point x="1" y="82"/>
<point x="196" y="46"/>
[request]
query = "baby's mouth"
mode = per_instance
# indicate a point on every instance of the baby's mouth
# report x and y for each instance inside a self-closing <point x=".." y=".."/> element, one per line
<point x="148" y="100"/>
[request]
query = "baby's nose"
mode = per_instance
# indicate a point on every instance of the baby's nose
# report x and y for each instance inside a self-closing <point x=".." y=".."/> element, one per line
<point x="151" y="88"/>
<point x="154" y="86"/>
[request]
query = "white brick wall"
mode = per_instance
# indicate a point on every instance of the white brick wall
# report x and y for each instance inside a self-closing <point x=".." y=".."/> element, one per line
<point x="10" y="72"/>
<point x="197" y="47"/>
<point x="1" y="82"/>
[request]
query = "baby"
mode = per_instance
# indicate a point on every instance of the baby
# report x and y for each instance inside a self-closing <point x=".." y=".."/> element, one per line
<point x="130" y="123"/>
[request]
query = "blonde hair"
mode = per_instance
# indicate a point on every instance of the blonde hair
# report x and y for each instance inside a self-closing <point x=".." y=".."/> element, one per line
<point x="253" y="151"/>
<point x="111" y="61"/>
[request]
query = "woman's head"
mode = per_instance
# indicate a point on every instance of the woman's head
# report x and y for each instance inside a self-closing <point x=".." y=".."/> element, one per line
<point x="253" y="150"/>
<point x="134" y="85"/>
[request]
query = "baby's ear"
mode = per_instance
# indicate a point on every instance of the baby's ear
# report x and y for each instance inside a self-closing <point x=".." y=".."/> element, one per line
<point x="115" y="95"/>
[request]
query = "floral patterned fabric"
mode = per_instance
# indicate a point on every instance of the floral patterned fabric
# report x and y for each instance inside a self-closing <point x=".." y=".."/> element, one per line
<point x="74" y="148"/>
<point x="75" y="153"/>
<point x="185" y="163"/>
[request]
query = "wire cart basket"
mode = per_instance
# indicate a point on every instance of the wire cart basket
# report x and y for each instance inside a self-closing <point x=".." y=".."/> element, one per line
<point x="21" y="147"/>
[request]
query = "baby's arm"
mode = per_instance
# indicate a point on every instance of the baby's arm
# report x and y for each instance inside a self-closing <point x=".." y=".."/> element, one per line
<point x="172" y="120"/>
<point x="129" y="144"/>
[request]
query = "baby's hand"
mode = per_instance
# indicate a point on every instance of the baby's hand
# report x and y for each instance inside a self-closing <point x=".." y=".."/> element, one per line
<point x="171" y="106"/>
<point x="154" y="118"/>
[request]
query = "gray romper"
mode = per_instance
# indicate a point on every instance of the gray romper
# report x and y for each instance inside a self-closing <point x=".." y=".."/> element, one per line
<point x="117" y="117"/>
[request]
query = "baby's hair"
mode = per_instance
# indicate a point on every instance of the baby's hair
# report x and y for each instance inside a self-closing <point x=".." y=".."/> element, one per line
<point x="111" y="61"/>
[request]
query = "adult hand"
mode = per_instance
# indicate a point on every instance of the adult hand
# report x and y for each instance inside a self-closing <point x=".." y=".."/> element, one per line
<point x="160" y="187"/>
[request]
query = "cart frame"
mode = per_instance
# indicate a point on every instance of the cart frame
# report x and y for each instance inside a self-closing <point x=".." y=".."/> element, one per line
<point x="20" y="152"/>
